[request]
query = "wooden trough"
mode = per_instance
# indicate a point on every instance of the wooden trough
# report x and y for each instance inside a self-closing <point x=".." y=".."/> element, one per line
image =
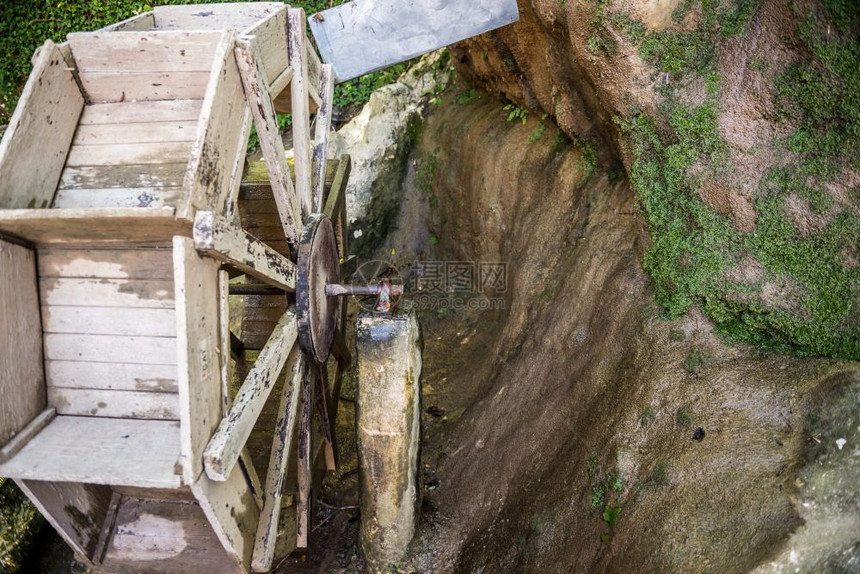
<point x="120" y="177"/>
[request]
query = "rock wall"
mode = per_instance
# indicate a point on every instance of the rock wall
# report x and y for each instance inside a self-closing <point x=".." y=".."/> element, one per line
<point x="583" y="429"/>
<point x="737" y="125"/>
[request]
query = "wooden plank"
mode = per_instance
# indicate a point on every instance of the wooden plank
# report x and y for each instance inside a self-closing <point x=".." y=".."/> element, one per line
<point x="323" y="126"/>
<point x="315" y="70"/>
<point x="164" y="536"/>
<point x="111" y="376"/>
<point x="216" y="149"/>
<point x="75" y="510"/>
<point x="141" y="197"/>
<point x="224" y="336"/>
<point x="42" y="127"/>
<point x="148" y="132"/>
<point x="42" y="226"/>
<point x="141" y="293"/>
<point x="27" y="433"/>
<point x="233" y="513"/>
<point x="337" y="194"/>
<point x="121" y="154"/>
<point x="246" y="462"/>
<point x="22" y="380"/>
<point x="128" y="263"/>
<point x="101" y="451"/>
<point x="233" y="431"/>
<point x="279" y="459"/>
<point x="115" y="404"/>
<point x="110" y="349"/>
<point x="107" y="528"/>
<point x="325" y="423"/>
<point x="270" y="36"/>
<point x="229" y="208"/>
<point x="109" y="321"/>
<point x="304" y="449"/>
<point x="216" y="237"/>
<point x="107" y="87"/>
<point x="151" y="51"/>
<point x="200" y="399"/>
<point x="301" y="112"/>
<point x="271" y="144"/>
<point x="238" y="17"/>
<point x="280" y="83"/>
<point x="137" y="23"/>
<point x="124" y="176"/>
<point x="141" y="112"/>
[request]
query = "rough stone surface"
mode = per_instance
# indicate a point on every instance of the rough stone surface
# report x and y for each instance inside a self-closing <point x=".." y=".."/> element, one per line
<point x="379" y="141"/>
<point x="388" y="431"/>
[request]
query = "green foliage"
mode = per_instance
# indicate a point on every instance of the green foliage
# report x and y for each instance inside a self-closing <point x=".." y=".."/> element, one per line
<point x="516" y="113"/>
<point x="693" y="245"/>
<point x="468" y="96"/>
<point x="696" y="360"/>
<point x="284" y="120"/>
<point x="647" y="416"/>
<point x="24" y="26"/>
<point x="19" y="524"/>
<point x="610" y="516"/>
<point x="539" y="130"/>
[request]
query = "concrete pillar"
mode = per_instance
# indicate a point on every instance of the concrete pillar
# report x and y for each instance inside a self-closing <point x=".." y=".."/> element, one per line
<point x="388" y="429"/>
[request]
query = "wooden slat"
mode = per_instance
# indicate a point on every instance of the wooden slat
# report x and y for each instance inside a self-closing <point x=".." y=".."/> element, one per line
<point x="156" y="293"/>
<point x="75" y="510"/>
<point x="22" y="382"/>
<point x="304" y="449"/>
<point x="223" y="450"/>
<point x="132" y="225"/>
<point x="116" y="404"/>
<point x="217" y="149"/>
<point x="229" y="207"/>
<point x="107" y="528"/>
<point x="153" y="51"/>
<point x="104" y="87"/>
<point x="217" y="238"/>
<point x="140" y="197"/>
<point x="323" y="126"/>
<point x="106" y="263"/>
<point x="315" y="70"/>
<point x="271" y="38"/>
<point x="279" y="459"/>
<point x="337" y="193"/>
<point x="165" y="537"/>
<point x="141" y="112"/>
<point x="138" y="23"/>
<point x="232" y="512"/>
<point x="121" y="154"/>
<point x="101" y="451"/>
<point x="123" y="176"/>
<point x="237" y="17"/>
<point x="109" y="321"/>
<point x="110" y="349"/>
<point x="150" y="132"/>
<point x="301" y="112"/>
<point x="271" y="144"/>
<point x="198" y="343"/>
<point x="111" y="376"/>
<point x="41" y="128"/>
<point x="33" y="428"/>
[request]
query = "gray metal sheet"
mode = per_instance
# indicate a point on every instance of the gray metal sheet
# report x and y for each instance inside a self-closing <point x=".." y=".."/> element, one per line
<point x="365" y="35"/>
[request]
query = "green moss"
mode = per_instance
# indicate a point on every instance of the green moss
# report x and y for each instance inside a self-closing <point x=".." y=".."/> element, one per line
<point x="683" y="418"/>
<point x="693" y="245"/>
<point x="19" y="524"/>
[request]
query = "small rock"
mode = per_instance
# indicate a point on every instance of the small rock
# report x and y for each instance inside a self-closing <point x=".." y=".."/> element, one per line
<point x="840" y="442"/>
<point x="699" y="434"/>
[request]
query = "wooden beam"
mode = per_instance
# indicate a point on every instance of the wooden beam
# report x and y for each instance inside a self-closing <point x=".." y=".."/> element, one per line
<point x="304" y="455"/>
<point x="258" y="95"/>
<point x="218" y="238"/>
<point x="325" y="422"/>
<point x="337" y="194"/>
<point x="301" y="112"/>
<point x="323" y="121"/>
<point x="28" y="432"/>
<point x="282" y="447"/>
<point x="226" y="444"/>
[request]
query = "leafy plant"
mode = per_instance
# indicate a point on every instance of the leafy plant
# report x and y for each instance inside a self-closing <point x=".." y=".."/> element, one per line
<point x="516" y="113"/>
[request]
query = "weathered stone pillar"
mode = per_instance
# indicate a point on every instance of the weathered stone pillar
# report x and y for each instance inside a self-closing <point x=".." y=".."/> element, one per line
<point x="388" y="429"/>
